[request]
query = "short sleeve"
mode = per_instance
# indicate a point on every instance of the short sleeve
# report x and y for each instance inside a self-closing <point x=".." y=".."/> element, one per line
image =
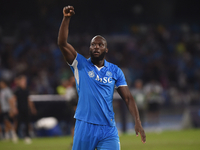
<point x="121" y="81"/>
<point x="78" y="63"/>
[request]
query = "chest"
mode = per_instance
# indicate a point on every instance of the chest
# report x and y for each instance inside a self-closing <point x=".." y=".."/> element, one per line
<point x="22" y="94"/>
<point x="103" y="76"/>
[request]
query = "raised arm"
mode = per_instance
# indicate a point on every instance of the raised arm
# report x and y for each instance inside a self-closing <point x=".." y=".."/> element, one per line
<point x="124" y="92"/>
<point x="67" y="50"/>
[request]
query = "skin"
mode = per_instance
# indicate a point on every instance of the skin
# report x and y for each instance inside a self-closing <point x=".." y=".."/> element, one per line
<point x="98" y="49"/>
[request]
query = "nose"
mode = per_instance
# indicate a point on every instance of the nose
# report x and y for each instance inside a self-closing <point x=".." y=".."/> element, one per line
<point x="96" y="46"/>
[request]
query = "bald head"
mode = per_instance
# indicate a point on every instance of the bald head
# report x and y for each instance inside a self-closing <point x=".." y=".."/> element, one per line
<point x="100" y="37"/>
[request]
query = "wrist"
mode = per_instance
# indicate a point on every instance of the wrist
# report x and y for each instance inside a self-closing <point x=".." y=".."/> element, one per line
<point x="66" y="17"/>
<point x="137" y="120"/>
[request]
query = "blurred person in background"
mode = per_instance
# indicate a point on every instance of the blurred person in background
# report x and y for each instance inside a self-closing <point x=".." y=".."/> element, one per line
<point x="140" y="98"/>
<point x="72" y="98"/>
<point x="1" y="122"/>
<point x="95" y="81"/>
<point x="61" y="89"/>
<point x="7" y="111"/>
<point x="21" y="96"/>
<point x="153" y="91"/>
<point x="71" y="94"/>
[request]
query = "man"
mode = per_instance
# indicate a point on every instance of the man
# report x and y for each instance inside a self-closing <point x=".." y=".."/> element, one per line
<point x="140" y="99"/>
<point x="153" y="91"/>
<point x="8" y="110"/>
<point x="95" y="82"/>
<point x="23" y="105"/>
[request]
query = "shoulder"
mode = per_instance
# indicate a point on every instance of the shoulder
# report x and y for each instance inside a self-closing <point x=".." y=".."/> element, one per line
<point x="111" y="65"/>
<point x="8" y="90"/>
<point x="115" y="68"/>
<point x="80" y="57"/>
<point x="79" y="60"/>
<point x="16" y="90"/>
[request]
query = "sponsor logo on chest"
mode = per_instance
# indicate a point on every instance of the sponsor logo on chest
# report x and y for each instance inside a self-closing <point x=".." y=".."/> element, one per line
<point x="103" y="79"/>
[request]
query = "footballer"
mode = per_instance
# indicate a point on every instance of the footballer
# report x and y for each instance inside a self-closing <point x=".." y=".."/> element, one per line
<point x="96" y="79"/>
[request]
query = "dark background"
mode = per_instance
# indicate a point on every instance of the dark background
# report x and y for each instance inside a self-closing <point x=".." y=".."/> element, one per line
<point x="104" y="16"/>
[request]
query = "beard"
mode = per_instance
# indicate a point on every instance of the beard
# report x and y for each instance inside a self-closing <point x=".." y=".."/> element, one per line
<point x="97" y="59"/>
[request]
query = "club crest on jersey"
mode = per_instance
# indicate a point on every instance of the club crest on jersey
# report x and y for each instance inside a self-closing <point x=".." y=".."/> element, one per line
<point x="108" y="73"/>
<point x="91" y="74"/>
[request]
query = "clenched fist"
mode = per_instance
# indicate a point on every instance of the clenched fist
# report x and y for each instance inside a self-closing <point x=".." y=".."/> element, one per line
<point x="68" y="11"/>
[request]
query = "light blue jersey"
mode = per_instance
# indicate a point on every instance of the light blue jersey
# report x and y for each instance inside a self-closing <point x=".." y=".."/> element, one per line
<point x="95" y="88"/>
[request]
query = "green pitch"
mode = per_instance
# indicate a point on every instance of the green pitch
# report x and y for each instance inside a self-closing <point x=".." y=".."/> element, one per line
<point x="167" y="140"/>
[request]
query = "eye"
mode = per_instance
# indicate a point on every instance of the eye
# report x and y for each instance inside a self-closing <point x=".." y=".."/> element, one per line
<point x="101" y="45"/>
<point x="93" y="44"/>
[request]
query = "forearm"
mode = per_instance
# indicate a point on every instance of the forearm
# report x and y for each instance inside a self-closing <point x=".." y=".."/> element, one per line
<point x="130" y="102"/>
<point x="134" y="112"/>
<point x="13" y="108"/>
<point x="63" y="31"/>
<point x="133" y="109"/>
<point x="67" y="50"/>
<point x="12" y="103"/>
<point x="31" y="105"/>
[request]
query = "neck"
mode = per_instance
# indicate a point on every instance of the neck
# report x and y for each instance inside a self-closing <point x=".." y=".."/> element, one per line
<point x="98" y="63"/>
<point x="23" y="87"/>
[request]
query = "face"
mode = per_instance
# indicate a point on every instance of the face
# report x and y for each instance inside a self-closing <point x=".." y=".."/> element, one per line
<point x="138" y="84"/>
<point x="98" y="48"/>
<point x="22" y="82"/>
<point x="2" y="84"/>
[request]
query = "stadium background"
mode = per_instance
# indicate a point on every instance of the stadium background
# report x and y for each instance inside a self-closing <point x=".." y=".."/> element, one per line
<point x="149" y="40"/>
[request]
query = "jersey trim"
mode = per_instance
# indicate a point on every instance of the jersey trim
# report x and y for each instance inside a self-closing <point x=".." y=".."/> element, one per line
<point x="73" y="60"/>
<point x="99" y="68"/>
<point x="121" y="85"/>
<point x="75" y="66"/>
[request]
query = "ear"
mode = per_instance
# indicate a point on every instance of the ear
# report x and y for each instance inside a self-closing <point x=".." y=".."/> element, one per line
<point x="106" y="50"/>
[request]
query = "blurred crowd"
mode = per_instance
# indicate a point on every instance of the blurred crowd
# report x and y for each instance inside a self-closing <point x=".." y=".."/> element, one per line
<point x="168" y="55"/>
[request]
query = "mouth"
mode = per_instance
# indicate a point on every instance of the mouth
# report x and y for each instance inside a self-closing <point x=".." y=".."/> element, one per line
<point x="96" y="52"/>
